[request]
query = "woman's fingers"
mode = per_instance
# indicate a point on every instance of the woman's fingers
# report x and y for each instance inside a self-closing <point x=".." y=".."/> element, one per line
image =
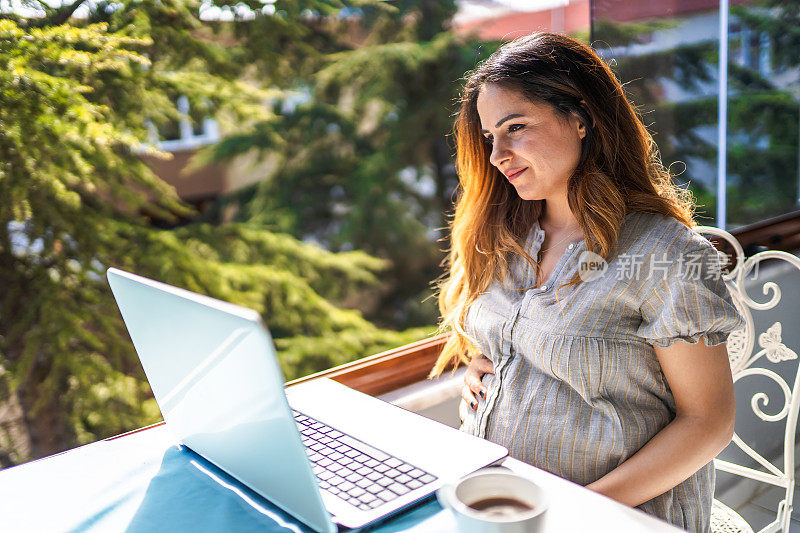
<point x="466" y="395"/>
<point x="475" y="371"/>
<point x="474" y="383"/>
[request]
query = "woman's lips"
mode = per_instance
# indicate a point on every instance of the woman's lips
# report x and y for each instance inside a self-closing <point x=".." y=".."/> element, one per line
<point x="514" y="175"/>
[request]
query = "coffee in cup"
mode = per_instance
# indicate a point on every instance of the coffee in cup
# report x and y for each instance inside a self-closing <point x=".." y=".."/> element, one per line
<point x="495" y="500"/>
<point x="501" y="507"/>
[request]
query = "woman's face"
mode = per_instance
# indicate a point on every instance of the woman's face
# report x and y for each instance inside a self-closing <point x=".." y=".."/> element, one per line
<point x="534" y="147"/>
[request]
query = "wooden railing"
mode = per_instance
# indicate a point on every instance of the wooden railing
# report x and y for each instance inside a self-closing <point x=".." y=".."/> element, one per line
<point x="778" y="233"/>
<point x="387" y="371"/>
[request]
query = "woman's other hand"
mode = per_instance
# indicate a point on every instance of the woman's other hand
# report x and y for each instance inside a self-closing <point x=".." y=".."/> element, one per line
<point x="473" y="386"/>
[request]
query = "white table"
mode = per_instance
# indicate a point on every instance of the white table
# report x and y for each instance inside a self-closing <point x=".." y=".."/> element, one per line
<point x="144" y="482"/>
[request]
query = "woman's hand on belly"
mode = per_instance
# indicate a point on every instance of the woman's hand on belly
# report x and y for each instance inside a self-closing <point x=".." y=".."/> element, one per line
<point x="473" y="384"/>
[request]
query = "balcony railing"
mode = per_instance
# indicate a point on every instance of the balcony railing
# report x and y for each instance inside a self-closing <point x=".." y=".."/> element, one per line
<point x="388" y="371"/>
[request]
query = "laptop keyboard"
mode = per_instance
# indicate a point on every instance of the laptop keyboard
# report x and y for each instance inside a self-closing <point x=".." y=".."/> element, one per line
<point x="353" y="471"/>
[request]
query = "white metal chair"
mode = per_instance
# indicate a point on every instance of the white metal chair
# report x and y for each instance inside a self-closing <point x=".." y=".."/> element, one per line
<point x="741" y="352"/>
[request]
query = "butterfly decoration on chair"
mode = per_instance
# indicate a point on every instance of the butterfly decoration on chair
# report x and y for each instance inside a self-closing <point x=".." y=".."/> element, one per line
<point x="770" y="342"/>
<point x="774" y="349"/>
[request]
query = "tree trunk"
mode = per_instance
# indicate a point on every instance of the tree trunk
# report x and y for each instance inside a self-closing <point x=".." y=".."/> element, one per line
<point x="15" y="442"/>
<point x="48" y="428"/>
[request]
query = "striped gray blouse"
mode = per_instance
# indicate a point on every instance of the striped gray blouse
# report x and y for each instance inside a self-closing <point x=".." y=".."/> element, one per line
<point x="577" y="387"/>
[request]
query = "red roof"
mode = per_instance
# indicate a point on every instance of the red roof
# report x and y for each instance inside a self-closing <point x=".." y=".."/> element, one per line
<point x="570" y="18"/>
<point x="576" y="16"/>
<point x="625" y="10"/>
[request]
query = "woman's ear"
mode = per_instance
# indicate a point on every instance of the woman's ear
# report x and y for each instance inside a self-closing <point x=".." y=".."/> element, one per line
<point x="579" y="125"/>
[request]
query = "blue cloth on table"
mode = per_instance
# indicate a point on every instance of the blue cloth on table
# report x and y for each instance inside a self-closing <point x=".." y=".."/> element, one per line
<point x="142" y="483"/>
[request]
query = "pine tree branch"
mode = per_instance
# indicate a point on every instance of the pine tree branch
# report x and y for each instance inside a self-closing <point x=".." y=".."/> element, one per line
<point x="63" y="15"/>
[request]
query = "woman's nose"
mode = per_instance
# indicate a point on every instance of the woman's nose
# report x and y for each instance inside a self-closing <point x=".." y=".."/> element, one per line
<point x="500" y="153"/>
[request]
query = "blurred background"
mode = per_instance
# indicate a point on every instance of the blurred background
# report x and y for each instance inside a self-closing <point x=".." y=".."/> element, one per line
<point x="295" y="157"/>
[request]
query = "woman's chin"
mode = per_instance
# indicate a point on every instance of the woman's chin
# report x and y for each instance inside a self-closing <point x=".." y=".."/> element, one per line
<point x="528" y="194"/>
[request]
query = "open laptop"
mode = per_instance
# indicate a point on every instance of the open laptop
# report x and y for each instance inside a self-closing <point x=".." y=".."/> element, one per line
<point x="323" y="452"/>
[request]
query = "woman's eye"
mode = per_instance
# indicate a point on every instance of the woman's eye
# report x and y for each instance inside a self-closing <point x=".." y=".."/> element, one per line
<point x="488" y="140"/>
<point x="515" y="127"/>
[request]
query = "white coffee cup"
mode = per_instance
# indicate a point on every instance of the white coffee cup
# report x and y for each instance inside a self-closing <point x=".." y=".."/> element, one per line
<point x="495" y="500"/>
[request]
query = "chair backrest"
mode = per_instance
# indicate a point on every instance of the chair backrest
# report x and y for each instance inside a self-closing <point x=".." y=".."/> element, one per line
<point x="743" y="355"/>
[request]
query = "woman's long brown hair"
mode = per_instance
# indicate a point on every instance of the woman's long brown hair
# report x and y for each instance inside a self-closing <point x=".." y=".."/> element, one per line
<point x="619" y="171"/>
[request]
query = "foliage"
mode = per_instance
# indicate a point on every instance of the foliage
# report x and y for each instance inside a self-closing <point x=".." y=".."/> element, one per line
<point x="76" y="98"/>
<point x="762" y="115"/>
<point x="365" y="162"/>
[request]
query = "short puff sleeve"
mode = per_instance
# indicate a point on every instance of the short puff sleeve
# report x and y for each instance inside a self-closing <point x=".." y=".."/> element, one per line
<point x="685" y="296"/>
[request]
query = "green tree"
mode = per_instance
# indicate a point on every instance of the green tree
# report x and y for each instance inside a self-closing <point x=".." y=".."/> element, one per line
<point x="763" y="155"/>
<point x="365" y="161"/>
<point x="76" y="98"/>
<point x="762" y="123"/>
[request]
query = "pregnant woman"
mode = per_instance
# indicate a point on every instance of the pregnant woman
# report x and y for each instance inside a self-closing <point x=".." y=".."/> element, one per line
<point x="592" y="315"/>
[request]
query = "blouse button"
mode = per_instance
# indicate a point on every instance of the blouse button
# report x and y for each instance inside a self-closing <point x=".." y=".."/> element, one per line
<point x="544" y="287"/>
<point x="571" y="246"/>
